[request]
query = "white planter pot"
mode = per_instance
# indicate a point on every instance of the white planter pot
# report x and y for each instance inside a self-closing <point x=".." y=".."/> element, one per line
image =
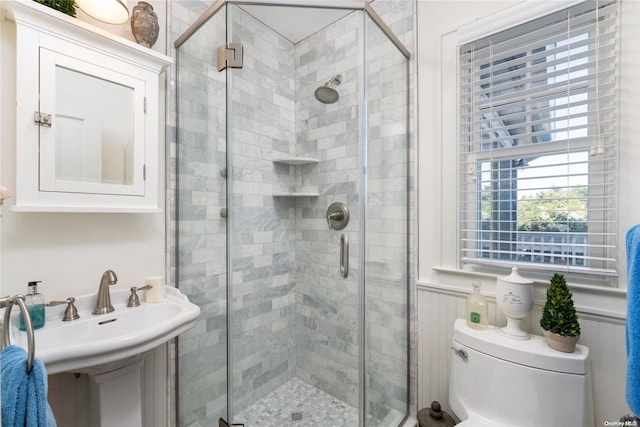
<point x="561" y="342"/>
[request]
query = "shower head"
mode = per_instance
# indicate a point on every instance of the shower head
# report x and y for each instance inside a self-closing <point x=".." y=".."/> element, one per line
<point x="326" y="93"/>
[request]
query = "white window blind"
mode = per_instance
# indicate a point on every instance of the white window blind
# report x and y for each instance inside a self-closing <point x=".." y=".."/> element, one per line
<point x="538" y="143"/>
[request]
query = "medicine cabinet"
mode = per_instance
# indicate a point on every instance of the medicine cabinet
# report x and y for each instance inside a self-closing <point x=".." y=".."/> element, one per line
<point x="87" y="115"/>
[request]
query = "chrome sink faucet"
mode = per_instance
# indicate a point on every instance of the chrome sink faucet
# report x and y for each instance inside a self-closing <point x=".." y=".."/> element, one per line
<point x="103" y="305"/>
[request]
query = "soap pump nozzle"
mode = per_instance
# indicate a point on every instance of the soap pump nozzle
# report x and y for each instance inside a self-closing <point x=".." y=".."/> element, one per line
<point x="33" y="286"/>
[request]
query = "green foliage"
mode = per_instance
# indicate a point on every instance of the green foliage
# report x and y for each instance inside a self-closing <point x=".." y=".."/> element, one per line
<point x="554" y="210"/>
<point x="546" y="211"/>
<point x="559" y="314"/>
<point x="64" y="6"/>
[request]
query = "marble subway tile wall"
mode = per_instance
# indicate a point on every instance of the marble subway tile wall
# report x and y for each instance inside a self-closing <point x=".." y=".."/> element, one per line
<point x="193" y="402"/>
<point x="386" y="306"/>
<point x="327" y="314"/>
<point x="263" y="227"/>
<point x="201" y="239"/>
<point x="293" y="314"/>
<point x="399" y="15"/>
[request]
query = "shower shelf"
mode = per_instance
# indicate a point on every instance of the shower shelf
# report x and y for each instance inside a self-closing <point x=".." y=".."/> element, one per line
<point x="295" y="161"/>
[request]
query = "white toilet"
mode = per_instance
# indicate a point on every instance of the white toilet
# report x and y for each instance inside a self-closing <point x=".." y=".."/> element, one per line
<point x="502" y="382"/>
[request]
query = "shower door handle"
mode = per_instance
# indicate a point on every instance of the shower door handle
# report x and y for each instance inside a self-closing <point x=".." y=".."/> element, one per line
<point x="344" y="255"/>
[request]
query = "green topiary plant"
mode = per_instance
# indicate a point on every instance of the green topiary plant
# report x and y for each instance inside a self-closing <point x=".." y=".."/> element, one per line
<point x="559" y="314"/>
<point x="65" y="6"/>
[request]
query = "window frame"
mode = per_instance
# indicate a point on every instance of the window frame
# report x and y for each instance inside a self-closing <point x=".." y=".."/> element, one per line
<point x="469" y="263"/>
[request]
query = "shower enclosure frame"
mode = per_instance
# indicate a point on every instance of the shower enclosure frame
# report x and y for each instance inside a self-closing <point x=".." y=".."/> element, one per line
<point x="352" y="5"/>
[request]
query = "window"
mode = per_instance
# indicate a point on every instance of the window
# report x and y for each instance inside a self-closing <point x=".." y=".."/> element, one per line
<point x="538" y="143"/>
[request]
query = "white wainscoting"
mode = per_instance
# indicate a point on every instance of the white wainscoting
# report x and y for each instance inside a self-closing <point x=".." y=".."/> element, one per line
<point x="604" y="335"/>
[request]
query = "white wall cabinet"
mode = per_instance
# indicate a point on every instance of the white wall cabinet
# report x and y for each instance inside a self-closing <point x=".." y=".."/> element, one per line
<point x="87" y="115"/>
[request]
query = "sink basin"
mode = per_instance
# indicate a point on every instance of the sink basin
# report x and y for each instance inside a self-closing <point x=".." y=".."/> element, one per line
<point x="98" y="340"/>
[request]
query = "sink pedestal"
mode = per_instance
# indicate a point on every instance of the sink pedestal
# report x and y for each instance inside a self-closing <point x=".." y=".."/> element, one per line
<point x="115" y="396"/>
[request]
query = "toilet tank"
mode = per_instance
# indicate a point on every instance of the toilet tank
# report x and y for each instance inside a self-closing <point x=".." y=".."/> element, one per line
<point x="505" y="382"/>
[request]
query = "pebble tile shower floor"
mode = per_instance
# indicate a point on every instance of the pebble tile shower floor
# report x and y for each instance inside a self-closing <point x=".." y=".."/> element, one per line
<point x="283" y="406"/>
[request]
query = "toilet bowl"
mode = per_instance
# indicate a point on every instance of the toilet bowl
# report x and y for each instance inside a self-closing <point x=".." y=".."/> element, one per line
<point x="500" y="382"/>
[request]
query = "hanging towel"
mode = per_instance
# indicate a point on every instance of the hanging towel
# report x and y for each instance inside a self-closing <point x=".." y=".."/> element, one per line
<point x="632" y="329"/>
<point x="24" y="394"/>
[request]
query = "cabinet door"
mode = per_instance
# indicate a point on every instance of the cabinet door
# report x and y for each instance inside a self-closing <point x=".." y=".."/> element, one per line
<point x="96" y="140"/>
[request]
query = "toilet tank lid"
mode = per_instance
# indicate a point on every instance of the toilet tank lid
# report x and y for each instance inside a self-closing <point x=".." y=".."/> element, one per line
<point x="533" y="352"/>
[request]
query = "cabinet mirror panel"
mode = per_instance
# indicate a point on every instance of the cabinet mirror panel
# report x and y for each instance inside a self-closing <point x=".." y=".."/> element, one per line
<point x="93" y="129"/>
<point x="94" y="142"/>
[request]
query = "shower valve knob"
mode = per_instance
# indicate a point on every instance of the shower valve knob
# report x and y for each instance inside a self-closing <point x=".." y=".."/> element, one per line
<point x="337" y="216"/>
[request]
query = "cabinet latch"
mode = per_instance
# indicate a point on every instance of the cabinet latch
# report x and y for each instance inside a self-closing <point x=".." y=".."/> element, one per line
<point x="229" y="55"/>
<point x="42" y="119"/>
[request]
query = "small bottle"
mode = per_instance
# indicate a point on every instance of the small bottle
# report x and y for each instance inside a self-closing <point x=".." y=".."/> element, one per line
<point x="35" y="307"/>
<point x="477" y="309"/>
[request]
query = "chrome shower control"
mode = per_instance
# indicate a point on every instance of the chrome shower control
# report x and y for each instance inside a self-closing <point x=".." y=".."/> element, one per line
<point x="337" y="216"/>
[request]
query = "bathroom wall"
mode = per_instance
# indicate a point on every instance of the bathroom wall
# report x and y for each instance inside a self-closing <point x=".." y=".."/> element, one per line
<point x="261" y="120"/>
<point x="386" y="299"/>
<point x="201" y="230"/>
<point x="263" y="227"/>
<point x="69" y="251"/>
<point x="442" y="286"/>
<point x="327" y="314"/>
<point x="327" y="333"/>
<point x="182" y="15"/>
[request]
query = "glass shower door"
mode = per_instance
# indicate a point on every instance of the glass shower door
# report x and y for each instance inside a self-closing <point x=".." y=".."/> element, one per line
<point x="295" y="325"/>
<point x="287" y="334"/>
<point x="201" y="225"/>
<point x="386" y="282"/>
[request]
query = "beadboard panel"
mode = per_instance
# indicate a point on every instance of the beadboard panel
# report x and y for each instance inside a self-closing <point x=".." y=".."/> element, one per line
<point x="605" y="337"/>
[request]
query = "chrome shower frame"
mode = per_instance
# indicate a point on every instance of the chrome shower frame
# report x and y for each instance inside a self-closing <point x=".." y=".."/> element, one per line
<point x="336" y="4"/>
<point x="353" y="5"/>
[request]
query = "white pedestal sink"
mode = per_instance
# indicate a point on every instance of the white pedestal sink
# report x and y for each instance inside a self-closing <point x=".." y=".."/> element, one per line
<point x="109" y="347"/>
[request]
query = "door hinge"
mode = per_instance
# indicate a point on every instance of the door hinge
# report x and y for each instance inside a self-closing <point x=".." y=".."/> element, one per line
<point x="144" y="172"/>
<point x="229" y="55"/>
<point x="42" y="119"/>
<point x="223" y="423"/>
<point x="144" y="107"/>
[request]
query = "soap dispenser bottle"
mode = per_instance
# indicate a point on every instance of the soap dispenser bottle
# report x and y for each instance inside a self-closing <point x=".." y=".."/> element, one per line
<point x="477" y="309"/>
<point x="35" y="307"/>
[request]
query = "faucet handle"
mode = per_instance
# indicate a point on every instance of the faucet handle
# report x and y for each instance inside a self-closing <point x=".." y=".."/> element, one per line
<point x="71" y="312"/>
<point x="134" y="301"/>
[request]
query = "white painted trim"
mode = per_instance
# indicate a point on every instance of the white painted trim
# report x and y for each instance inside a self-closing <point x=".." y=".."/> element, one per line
<point x="585" y="311"/>
<point x="510" y="17"/>
<point x="613" y="292"/>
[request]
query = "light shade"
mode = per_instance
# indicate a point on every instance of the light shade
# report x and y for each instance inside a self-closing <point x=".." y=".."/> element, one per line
<point x="109" y="11"/>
